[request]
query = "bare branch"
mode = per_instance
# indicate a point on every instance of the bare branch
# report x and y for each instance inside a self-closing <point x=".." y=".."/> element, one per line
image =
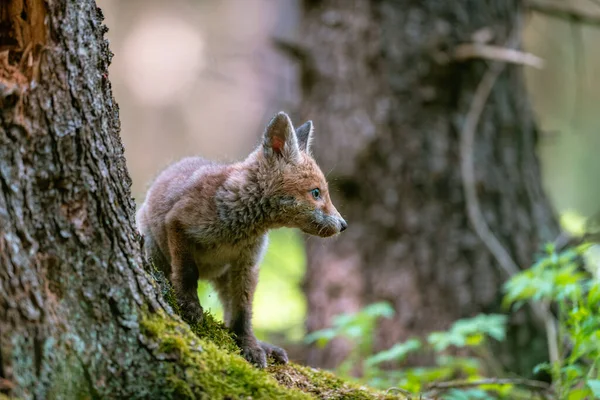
<point x="467" y="167"/>
<point x="404" y="392"/>
<point x="479" y="50"/>
<point x="565" y="239"/>
<point x="564" y="9"/>
<point x="531" y="384"/>
<point x="474" y="213"/>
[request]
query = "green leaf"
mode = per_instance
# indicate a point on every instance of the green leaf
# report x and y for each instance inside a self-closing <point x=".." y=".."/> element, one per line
<point x="343" y="320"/>
<point x="381" y="309"/>
<point x="594" y="385"/>
<point x="354" y="332"/>
<point x="594" y="295"/>
<point x="520" y="287"/>
<point x="475" y="340"/>
<point x="470" y="332"/>
<point x="397" y="352"/>
<point x="464" y="365"/>
<point x="572" y="372"/>
<point x="579" y="394"/>
<point x="545" y="366"/>
<point x="322" y="337"/>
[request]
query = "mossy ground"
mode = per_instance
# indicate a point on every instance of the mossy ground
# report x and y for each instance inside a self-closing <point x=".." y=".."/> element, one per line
<point x="209" y="365"/>
<point x="205" y="370"/>
<point x="322" y="384"/>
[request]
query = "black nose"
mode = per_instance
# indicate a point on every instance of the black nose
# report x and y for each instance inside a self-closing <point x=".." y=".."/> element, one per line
<point x="343" y="226"/>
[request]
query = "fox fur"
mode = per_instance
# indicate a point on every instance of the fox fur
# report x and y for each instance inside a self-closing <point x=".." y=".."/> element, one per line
<point x="204" y="220"/>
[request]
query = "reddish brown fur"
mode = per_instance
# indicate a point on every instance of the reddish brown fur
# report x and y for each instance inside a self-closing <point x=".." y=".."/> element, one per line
<point x="209" y="221"/>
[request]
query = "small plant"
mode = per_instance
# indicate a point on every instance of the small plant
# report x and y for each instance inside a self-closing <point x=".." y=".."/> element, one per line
<point x="566" y="283"/>
<point x="470" y="334"/>
<point x="573" y="288"/>
<point x="358" y="328"/>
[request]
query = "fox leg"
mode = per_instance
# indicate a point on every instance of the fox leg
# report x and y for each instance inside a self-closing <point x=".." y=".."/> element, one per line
<point x="184" y="277"/>
<point x="236" y="291"/>
<point x="222" y="286"/>
<point x="154" y="255"/>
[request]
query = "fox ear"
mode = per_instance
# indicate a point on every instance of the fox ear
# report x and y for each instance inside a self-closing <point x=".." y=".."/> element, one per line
<point x="304" y="133"/>
<point x="280" y="139"/>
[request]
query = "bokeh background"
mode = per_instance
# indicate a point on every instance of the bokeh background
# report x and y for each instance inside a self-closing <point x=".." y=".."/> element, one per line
<point x="204" y="77"/>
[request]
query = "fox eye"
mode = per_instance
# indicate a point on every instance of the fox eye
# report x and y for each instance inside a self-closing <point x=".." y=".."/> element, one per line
<point x="316" y="193"/>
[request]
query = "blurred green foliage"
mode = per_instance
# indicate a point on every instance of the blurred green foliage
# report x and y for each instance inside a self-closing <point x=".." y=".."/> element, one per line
<point x="569" y="281"/>
<point x="573" y="288"/>
<point x="471" y="334"/>
<point x="279" y="304"/>
<point x="358" y="328"/>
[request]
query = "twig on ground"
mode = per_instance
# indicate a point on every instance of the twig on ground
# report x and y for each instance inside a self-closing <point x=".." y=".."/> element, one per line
<point x="542" y="388"/>
<point x="535" y="385"/>
<point x="405" y="392"/>
<point x="468" y="51"/>
<point x="565" y="9"/>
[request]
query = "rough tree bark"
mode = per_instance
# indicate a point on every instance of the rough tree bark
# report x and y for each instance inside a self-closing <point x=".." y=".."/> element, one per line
<point x="71" y="288"/>
<point x="388" y="103"/>
<point x="79" y="317"/>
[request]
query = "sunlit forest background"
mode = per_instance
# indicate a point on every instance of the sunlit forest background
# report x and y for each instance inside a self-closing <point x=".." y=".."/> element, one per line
<point x="202" y="78"/>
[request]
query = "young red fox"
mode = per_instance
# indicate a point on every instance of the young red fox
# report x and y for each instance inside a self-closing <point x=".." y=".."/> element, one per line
<point x="203" y="220"/>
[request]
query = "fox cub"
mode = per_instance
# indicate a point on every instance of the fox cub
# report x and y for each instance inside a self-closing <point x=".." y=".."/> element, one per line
<point x="203" y="220"/>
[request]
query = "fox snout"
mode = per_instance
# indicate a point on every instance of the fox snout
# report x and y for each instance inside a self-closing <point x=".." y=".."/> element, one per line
<point x="326" y="225"/>
<point x="343" y="225"/>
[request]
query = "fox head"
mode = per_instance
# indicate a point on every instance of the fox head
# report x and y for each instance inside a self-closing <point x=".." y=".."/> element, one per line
<point x="297" y="181"/>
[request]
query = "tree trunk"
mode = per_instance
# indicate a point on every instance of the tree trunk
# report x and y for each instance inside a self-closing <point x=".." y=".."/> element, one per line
<point x="71" y="288"/>
<point x="79" y="317"/>
<point x="388" y="104"/>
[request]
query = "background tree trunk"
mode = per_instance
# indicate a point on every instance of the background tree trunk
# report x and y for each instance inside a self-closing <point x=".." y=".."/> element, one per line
<point x="388" y="103"/>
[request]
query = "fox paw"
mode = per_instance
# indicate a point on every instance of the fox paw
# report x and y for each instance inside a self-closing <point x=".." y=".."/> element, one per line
<point x="192" y="312"/>
<point x="254" y="353"/>
<point x="277" y="353"/>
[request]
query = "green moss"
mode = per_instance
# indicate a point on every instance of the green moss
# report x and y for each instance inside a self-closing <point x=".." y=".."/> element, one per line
<point x="204" y="369"/>
<point x="173" y="345"/>
<point x="209" y="365"/>
<point x="323" y="384"/>
<point x="152" y="327"/>
<point x="215" y="332"/>
<point x="181" y="389"/>
<point x="209" y="329"/>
